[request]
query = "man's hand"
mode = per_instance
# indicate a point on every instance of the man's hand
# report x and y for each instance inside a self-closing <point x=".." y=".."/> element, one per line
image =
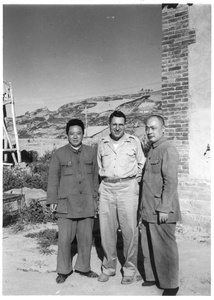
<point x="140" y="220"/>
<point x="163" y="217"/>
<point x="96" y="208"/>
<point x="53" y="208"/>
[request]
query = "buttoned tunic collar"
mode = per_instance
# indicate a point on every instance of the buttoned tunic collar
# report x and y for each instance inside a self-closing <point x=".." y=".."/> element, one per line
<point x="79" y="150"/>
<point x="160" y="141"/>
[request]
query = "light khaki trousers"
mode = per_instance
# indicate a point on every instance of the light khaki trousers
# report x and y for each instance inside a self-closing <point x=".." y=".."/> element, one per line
<point x="118" y="208"/>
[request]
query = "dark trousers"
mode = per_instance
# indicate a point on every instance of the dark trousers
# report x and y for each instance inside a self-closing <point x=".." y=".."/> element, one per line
<point x="68" y="229"/>
<point x="160" y="252"/>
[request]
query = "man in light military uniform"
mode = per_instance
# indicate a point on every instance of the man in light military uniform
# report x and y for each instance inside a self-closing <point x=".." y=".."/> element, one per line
<point x="120" y="161"/>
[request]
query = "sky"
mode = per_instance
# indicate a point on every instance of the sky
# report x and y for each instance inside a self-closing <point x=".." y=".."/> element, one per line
<point x="57" y="54"/>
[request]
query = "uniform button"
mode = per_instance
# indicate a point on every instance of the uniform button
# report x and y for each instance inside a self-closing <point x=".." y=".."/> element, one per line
<point x="79" y="182"/>
<point x="80" y="192"/>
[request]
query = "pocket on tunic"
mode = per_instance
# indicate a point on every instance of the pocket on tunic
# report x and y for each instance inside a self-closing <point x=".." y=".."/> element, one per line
<point x="89" y="167"/>
<point x="106" y="159"/>
<point x="156" y="166"/>
<point x="62" y="206"/>
<point x="67" y="168"/>
<point x="131" y="152"/>
<point x="127" y="159"/>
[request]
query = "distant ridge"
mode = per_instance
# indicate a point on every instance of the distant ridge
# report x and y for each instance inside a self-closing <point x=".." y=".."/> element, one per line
<point x="44" y="123"/>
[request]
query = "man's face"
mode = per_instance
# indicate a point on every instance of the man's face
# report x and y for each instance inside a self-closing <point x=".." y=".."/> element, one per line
<point x="154" y="129"/>
<point x="75" y="135"/>
<point x="117" y="128"/>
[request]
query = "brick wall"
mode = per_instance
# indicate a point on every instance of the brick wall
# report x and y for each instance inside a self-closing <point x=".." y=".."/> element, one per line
<point x="176" y="38"/>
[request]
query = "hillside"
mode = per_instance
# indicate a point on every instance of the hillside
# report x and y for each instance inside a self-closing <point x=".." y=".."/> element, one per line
<point x="43" y="123"/>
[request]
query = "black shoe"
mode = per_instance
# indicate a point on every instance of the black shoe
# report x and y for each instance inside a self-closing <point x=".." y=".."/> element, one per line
<point x="62" y="277"/>
<point x="170" y="292"/>
<point x="149" y="283"/>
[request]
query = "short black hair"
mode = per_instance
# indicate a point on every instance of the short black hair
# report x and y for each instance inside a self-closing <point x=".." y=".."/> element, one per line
<point x="118" y="114"/>
<point x="75" y="122"/>
<point x="160" y="118"/>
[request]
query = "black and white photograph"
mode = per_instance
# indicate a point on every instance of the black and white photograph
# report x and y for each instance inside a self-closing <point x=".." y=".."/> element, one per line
<point x="106" y="148"/>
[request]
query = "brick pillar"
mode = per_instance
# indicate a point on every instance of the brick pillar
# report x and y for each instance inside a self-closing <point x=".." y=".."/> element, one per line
<point x="176" y="37"/>
<point x="194" y="193"/>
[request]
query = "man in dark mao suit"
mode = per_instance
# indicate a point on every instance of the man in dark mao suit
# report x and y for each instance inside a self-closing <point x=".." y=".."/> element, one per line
<point x="72" y="194"/>
<point x="160" y="210"/>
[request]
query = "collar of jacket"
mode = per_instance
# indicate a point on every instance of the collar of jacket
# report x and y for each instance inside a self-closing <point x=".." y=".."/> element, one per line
<point x="75" y="150"/>
<point x="108" y="139"/>
<point x="160" y="141"/>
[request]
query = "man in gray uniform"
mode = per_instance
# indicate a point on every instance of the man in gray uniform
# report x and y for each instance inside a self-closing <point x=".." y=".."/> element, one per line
<point x="72" y="193"/>
<point x="160" y="210"/>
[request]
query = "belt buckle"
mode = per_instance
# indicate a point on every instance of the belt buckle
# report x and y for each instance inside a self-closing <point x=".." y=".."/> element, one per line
<point x="115" y="180"/>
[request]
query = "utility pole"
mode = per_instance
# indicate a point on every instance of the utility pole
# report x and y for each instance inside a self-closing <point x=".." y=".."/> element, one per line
<point x="86" y="120"/>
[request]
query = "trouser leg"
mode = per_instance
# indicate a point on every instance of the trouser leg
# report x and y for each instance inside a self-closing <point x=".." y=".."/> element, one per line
<point x="127" y="203"/>
<point x="84" y="244"/>
<point x="108" y="228"/>
<point x="148" y="261"/>
<point x="165" y="254"/>
<point x="67" y="231"/>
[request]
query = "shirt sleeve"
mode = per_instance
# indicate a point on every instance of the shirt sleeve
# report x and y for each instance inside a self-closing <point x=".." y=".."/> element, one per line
<point x="99" y="158"/>
<point x="96" y="178"/>
<point x="170" y="179"/>
<point x="140" y="160"/>
<point x="53" y="180"/>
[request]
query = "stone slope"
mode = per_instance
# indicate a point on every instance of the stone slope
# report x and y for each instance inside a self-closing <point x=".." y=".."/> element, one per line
<point x="44" y="123"/>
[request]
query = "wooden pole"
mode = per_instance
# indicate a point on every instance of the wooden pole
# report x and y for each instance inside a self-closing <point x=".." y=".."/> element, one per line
<point x="86" y="121"/>
<point x="14" y="124"/>
<point x="10" y="144"/>
<point x="5" y="143"/>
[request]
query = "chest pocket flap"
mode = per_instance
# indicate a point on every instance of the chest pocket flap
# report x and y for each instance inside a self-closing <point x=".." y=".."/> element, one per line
<point x="156" y="166"/>
<point x="67" y="168"/>
<point x="89" y="166"/>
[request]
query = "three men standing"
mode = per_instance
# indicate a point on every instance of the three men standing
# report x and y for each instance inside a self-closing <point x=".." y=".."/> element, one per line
<point x="72" y="192"/>
<point x="120" y="161"/>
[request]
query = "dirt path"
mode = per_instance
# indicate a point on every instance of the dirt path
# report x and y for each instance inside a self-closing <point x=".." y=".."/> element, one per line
<point x="28" y="272"/>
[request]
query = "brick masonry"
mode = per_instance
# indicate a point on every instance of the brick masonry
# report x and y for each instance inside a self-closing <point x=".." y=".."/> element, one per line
<point x="176" y="38"/>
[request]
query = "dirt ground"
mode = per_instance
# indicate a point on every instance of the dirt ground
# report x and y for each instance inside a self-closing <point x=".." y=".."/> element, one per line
<point x="28" y="272"/>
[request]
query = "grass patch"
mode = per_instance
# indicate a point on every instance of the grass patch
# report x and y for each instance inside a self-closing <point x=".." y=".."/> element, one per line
<point x="45" y="239"/>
